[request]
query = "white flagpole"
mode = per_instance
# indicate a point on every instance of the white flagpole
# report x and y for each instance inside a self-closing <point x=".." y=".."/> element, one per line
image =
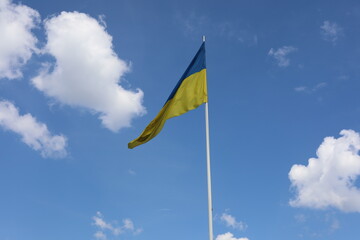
<point x="211" y="236"/>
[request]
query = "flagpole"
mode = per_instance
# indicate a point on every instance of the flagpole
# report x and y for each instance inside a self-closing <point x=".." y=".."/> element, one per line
<point x="208" y="168"/>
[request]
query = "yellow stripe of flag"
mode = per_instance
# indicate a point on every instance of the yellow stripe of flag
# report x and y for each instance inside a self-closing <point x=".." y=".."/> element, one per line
<point x="189" y="93"/>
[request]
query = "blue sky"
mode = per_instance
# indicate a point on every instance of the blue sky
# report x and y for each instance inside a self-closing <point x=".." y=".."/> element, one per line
<point x="80" y="79"/>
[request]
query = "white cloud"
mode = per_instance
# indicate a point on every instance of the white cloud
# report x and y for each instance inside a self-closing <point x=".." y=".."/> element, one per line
<point x="343" y="77"/>
<point x="319" y="85"/>
<point x="281" y="55"/>
<point x="228" y="236"/>
<point x="33" y="133"/>
<point x="129" y="225"/>
<point x="230" y="221"/>
<point x="232" y="32"/>
<point x="87" y="71"/>
<point x="192" y="22"/>
<point x="329" y="179"/>
<point x="301" y="218"/>
<point x="113" y="228"/>
<point x="331" y="31"/>
<point x="100" y="235"/>
<point x="17" y="41"/>
<point x="99" y="222"/>
<point x="301" y="89"/>
<point x="335" y="225"/>
<point x="310" y="90"/>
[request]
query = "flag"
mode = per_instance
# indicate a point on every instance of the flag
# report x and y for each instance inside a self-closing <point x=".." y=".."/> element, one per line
<point x="189" y="93"/>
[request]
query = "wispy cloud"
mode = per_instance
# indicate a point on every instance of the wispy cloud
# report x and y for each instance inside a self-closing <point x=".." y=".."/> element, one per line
<point x="191" y="22"/>
<point x="105" y="228"/>
<point x="86" y="63"/>
<point x="343" y="77"/>
<point x="230" y="221"/>
<point x="228" y="236"/>
<point x="100" y="235"/>
<point x="33" y="133"/>
<point x="317" y="224"/>
<point x="17" y="42"/>
<point x="241" y="34"/>
<point x="335" y="224"/>
<point x="300" y="89"/>
<point x="331" y="31"/>
<point x="301" y="218"/>
<point x="310" y="89"/>
<point x="281" y="55"/>
<point x="329" y="179"/>
<point x="196" y="24"/>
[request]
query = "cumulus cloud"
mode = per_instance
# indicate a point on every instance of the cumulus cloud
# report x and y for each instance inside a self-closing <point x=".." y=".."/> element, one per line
<point x="87" y="71"/>
<point x="329" y="179"/>
<point x="331" y="31"/>
<point x="281" y="55"/>
<point x="228" y="236"/>
<point x="230" y="221"/>
<point x="114" y="229"/>
<point x="17" y="41"/>
<point x="33" y="133"/>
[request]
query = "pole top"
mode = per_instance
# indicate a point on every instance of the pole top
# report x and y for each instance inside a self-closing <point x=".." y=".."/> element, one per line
<point x="203" y="38"/>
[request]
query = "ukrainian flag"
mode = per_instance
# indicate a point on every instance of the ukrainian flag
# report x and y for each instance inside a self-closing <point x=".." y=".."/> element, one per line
<point x="189" y="93"/>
